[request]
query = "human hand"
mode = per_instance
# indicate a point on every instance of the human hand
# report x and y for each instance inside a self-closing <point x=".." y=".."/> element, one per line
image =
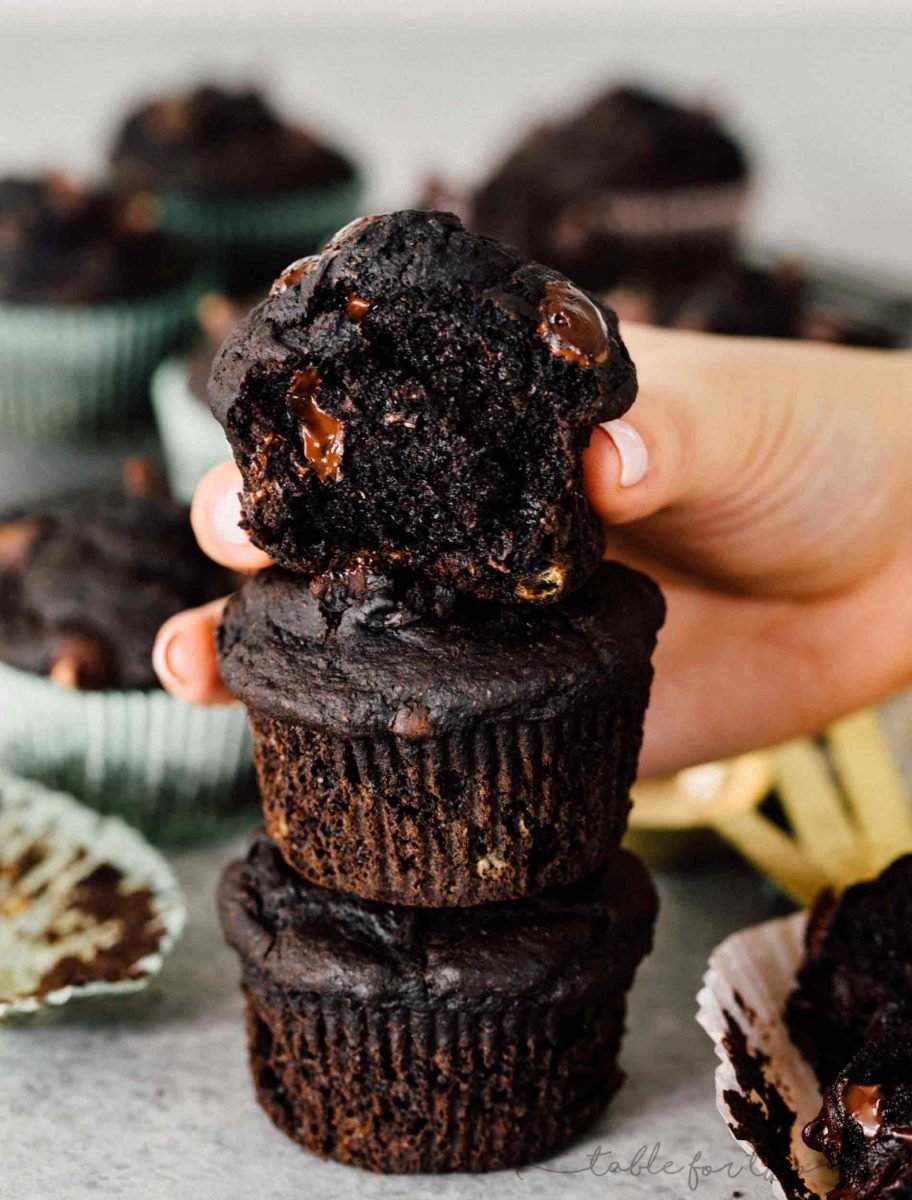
<point x="774" y="510"/>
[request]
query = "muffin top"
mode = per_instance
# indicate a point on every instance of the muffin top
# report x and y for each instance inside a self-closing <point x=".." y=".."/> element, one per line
<point x="64" y="244"/>
<point x="218" y="143"/>
<point x="857" y="953"/>
<point x="86" y="581"/>
<point x="424" y="395"/>
<point x="568" y="943"/>
<point x="368" y="653"/>
<point x="631" y="167"/>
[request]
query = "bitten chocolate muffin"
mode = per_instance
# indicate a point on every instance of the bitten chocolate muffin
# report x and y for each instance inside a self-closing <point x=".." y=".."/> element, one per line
<point x="416" y="1039"/>
<point x="856" y="964"/>
<point x="420" y="747"/>
<point x="865" y="1124"/>
<point x="61" y="244"/>
<point x="633" y="188"/>
<point x="424" y="395"/>
<point x="86" y="581"/>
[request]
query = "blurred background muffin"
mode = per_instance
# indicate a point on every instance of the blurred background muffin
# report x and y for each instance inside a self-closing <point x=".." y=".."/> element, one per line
<point x="634" y="188"/>
<point x="220" y="167"/>
<point x="85" y="583"/>
<point x="91" y="300"/>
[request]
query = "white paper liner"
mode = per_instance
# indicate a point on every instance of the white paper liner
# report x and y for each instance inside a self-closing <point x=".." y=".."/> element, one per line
<point x="40" y="925"/>
<point x="744" y="991"/>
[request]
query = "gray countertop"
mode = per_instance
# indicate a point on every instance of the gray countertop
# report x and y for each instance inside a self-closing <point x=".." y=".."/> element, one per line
<point x="148" y="1095"/>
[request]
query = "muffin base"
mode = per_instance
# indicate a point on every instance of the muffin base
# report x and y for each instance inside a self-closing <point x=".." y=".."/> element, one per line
<point x="401" y="1091"/>
<point x="500" y="811"/>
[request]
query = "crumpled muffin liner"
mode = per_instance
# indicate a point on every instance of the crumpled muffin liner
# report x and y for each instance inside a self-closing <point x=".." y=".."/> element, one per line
<point x="172" y="769"/>
<point x="192" y="439"/>
<point x="87" y="906"/>
<point x="73" y="371"/>
<point x="765" y="1091"/>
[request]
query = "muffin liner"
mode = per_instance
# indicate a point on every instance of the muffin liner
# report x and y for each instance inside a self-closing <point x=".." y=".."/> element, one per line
<point x="238" y="234"/>
<point x="87" y="906"/>
<point x="192" y="439"/>
<point x="173" y="769"/>
<point x="657" y="215"/>
<point x="405" y="1090"/>
<point x="765" y="1091"/>
<point x="68" y="371"/>
<point x="497" y="811"/>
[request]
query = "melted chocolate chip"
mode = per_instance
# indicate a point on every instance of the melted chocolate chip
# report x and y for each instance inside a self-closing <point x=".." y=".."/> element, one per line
<point x="357" y="307"/>
<point x="571" y="326"/>
<point x="81" y="663"/>
<point x="16" y="540"/>
<point x="322" y="435"/>
<point x="293" y="274"/>
<point x="862" y="1102"/>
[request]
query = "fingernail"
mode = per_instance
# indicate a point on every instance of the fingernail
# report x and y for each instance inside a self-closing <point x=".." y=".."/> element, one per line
<point x="225" y="517"/>
<point x="170" y="657"/>
<point x="631" y="451"/>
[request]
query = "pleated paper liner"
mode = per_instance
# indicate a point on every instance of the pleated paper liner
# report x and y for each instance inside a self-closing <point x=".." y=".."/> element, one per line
<point x="177" y="771"/>
<point x="843" y="810"/>
<point x="248" y="241"/>
<point x="75" y="372"/>
<point x="87" y="906"/>
<point x="192" y="439"/>
<point x="765" y="1091"/>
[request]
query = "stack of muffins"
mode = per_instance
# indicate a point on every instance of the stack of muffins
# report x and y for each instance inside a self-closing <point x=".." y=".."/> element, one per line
<point x="446" y="685"/>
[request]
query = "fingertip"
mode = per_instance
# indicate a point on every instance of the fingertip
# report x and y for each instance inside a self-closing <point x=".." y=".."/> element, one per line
<point x="215" y="515"/>
<point x="616" y="466"/>
<point x="184" y="656"/>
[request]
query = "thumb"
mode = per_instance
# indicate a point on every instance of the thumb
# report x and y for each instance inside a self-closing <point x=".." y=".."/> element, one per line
<point x="732" y="465"/>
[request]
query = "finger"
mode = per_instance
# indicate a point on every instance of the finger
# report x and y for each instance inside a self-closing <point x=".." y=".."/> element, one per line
<point x="215" y="515"/>
<point x="734" y="674"/>
<point x="685" y="438"/>
<point x="184" y="655"/>
<point x="745" y="444"/>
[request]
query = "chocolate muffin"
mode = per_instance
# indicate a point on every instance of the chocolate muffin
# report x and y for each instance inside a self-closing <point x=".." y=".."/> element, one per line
<point x="224" y="168"/>
<point x="856" y="964"/>
<point x="424" y="395"/>
<point x="421" y="747"/>
<point x="780" y="300"/>
<point x="216" y="141"/>
<point x="418" y="1039"/>
<point x="61" y="244"/>
<point x="87" y="580"/>
<point x="633" y="188"/>
<point x="865" y="1124"/>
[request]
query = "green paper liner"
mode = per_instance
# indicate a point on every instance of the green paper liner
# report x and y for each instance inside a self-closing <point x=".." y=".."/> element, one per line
<point x="67" y="371"/>
<point x="252" y="239"/>
<point x="172" y="769"/>
<point x="192" y="439"/>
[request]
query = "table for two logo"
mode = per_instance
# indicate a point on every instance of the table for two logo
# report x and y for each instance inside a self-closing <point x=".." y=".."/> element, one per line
<point x="650" y="1162"/>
